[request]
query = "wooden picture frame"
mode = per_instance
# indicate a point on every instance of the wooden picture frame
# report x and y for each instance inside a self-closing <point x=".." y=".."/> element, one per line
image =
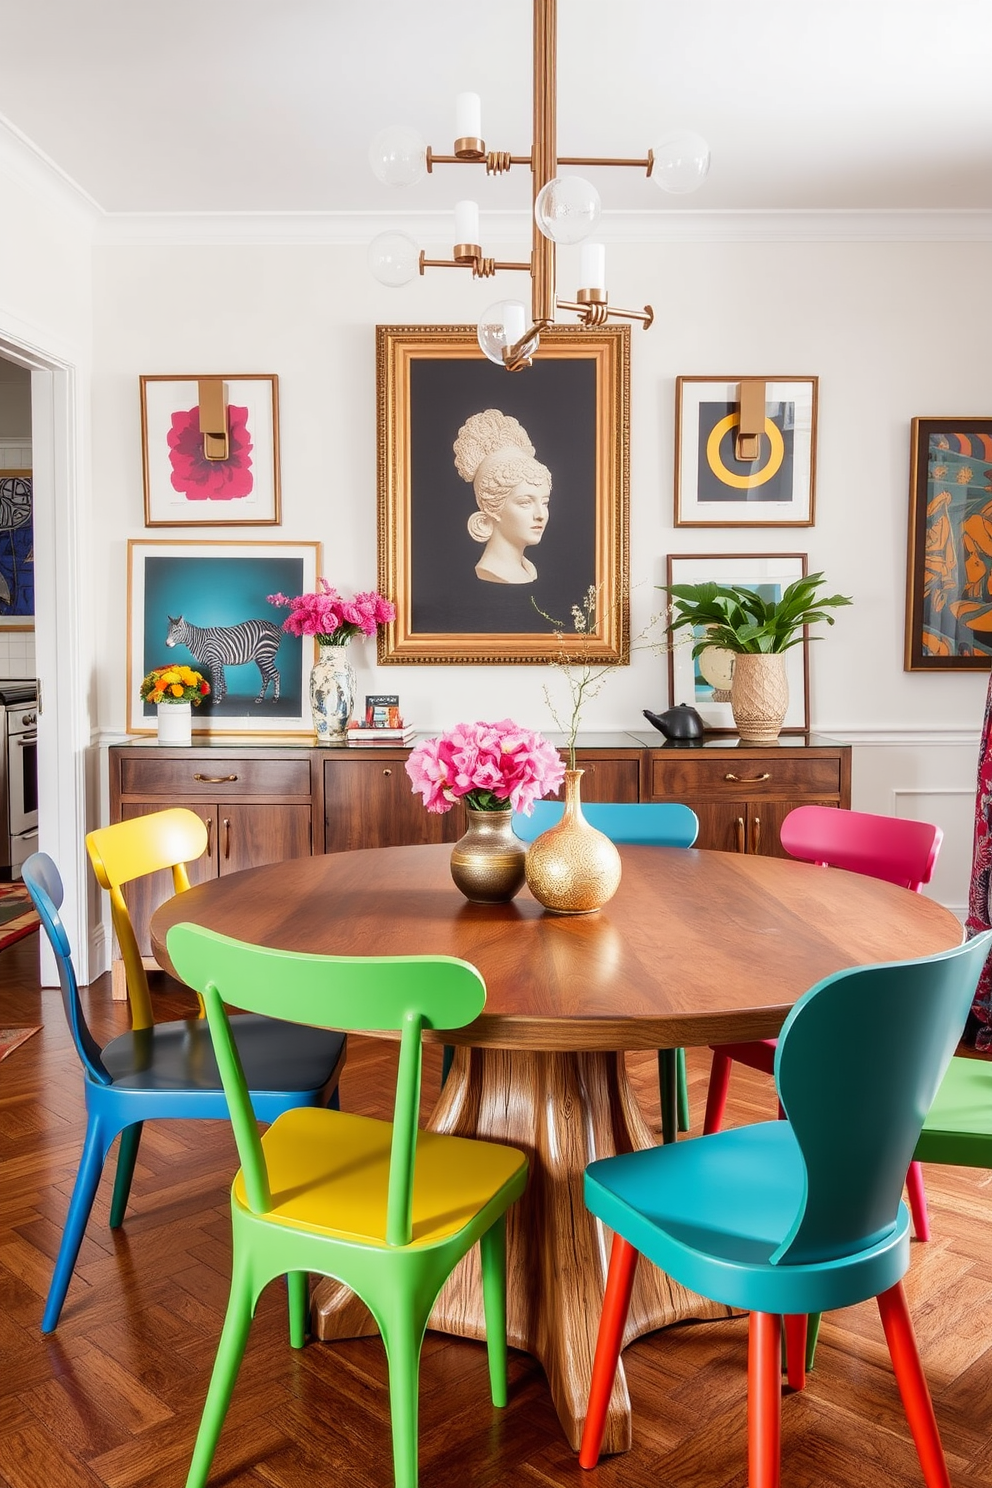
<point x="183" y="488"/>
<point x="211" y="585"/>
<point x="715" y="488"/>
<point x="572" y="408"/>
<point x="949" y="567"/>
<point x="707" y="688"/>
<point x="16" y="550"/>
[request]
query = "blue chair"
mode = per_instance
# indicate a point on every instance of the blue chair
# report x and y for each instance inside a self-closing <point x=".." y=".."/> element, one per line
<point x="653" y="824"/>
<point x="167" y="1070"/>
<point x="798" y="1216"/>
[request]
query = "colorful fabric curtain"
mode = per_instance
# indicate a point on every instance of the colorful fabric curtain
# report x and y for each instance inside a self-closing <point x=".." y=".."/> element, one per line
<point x="979" y="1030"/>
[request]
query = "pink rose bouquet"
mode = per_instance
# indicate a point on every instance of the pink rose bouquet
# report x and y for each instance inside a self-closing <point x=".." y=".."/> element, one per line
<point x="489" y="766"/>
<point x="330" y="618"/>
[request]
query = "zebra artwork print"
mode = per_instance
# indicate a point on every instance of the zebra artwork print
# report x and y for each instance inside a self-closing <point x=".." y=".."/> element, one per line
<point x="215" y="647"/>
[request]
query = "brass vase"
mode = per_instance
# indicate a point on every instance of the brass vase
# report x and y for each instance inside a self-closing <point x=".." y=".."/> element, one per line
<point x="487" y="864"/>
<point x="572" y="868"/>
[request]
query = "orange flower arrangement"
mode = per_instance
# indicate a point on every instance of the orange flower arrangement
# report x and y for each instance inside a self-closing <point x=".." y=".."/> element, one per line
<point x="174" y="684"/>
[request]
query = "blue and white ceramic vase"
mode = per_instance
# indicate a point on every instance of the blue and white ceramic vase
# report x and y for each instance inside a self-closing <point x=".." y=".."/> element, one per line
<point x="332" y="694"/>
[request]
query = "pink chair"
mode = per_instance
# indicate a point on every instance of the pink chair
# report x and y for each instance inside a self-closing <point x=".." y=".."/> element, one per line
<point x="887" y="847"/>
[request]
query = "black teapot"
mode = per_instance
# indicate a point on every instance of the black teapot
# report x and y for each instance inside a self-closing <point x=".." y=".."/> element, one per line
<point x="680" y="722"/>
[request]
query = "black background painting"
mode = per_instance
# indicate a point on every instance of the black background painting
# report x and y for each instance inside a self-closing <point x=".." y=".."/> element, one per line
<point x="555" y="401"/>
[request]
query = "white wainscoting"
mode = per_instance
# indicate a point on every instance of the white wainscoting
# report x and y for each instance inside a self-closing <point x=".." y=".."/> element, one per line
<point x="928" y="775"/>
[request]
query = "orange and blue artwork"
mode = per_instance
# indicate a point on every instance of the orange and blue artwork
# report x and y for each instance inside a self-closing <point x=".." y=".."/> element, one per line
<point x="957" y="617"/>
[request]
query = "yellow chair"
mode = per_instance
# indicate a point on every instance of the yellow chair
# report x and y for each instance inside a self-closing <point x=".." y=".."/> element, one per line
<point x="132" y="849"/>
<point x="286" y="1065"/>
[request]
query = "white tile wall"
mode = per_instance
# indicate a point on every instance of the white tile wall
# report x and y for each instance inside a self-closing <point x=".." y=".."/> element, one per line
<point x="17" y="653"/>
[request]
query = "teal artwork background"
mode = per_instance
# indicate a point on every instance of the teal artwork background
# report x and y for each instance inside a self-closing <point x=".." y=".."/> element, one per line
<point x="209" y="591"/>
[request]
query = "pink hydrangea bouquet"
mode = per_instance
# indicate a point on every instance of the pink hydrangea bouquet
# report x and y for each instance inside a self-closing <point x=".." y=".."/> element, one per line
<point x="334" y="620"/>
<point x="489" y="766"/>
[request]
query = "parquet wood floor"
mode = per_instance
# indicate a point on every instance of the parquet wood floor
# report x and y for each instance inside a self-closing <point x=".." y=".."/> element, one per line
<point x="114" y="1396"/>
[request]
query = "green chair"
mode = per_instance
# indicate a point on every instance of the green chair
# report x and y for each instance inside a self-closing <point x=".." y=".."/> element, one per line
<point x="384" y="1208"/>
<point x="958" y="1128"/>
<point x="652" y="824"/>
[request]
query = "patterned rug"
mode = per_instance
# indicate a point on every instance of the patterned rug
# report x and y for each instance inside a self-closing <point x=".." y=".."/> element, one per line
<point x="12" y="1038"/>
<point x="18" y="916"/>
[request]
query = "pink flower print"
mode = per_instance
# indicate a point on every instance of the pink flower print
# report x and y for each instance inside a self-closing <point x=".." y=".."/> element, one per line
<point x="200" y="479"/>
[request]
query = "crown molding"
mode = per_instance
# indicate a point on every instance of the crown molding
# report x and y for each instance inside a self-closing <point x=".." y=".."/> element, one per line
<point x="168" y="229"/>
<point x="23" y="162"/>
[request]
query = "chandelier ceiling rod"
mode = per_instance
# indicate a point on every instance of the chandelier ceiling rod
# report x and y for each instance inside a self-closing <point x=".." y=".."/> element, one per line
<point x="565" y="209"/>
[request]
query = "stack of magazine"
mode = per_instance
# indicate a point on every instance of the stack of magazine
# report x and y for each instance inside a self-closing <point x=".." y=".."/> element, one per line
<point x="383" y="722"/>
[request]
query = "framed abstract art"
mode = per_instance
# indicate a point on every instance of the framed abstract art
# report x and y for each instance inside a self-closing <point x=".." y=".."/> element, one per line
<point x="210" y="450"/>
<point x="724" y="478"/>
<point x="16" y="550"/>
<point x="949" y="582"/>
<point x="502" y="496"/>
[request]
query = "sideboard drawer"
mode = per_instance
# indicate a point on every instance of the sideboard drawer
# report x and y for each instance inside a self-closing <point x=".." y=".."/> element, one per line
<point x="213" y="778"/>
<point x="753" y="775"/>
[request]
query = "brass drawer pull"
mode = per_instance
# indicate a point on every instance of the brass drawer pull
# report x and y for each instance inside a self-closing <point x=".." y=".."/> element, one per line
<point x="214" y="779"/>
<point x="739" y="831"/>
<point x="756" y="835"/>
<point x="227" y="837"/>
<point x="387" y="772"/>
<point x="748" y="779"/>
<point x="210" y="836"/>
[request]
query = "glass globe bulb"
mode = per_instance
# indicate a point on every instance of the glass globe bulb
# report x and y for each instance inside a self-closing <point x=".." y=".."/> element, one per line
<point x="502" y="325"/>
<point x="681" y="161"/>
<point x="394" y="258"/>
<point x="398" y="156"/>
<point x="567" y="209"/>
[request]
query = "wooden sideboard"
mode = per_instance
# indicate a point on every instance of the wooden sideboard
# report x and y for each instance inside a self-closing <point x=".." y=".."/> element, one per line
<point x="265" y="802"/>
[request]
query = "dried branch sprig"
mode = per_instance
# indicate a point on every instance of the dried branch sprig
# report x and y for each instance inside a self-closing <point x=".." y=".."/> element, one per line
<point x="584" y="674"/>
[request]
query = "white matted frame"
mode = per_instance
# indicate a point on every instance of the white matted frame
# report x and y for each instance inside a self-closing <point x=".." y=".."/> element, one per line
<point x="704" y="683"/>
<point x="713" y="488"/>
<point x="185" y="489"/>
<point x="219" y="587"/>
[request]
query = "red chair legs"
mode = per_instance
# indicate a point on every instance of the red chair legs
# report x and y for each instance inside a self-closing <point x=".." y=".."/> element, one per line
<point x="916" y="1194"/>
<point x="616" y="1305"/>
<point x="764" y="1400"/>
<point x="913" y="1386"/>
<point x="716" y="1095"/>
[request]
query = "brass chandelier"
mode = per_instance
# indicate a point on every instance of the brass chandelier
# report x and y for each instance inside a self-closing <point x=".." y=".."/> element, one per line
<point x="566" y="209"/>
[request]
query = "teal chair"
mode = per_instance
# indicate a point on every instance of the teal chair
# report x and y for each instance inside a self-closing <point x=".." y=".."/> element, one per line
<point x="786" y="1218"/>
<point x="385" y="1208"/>
<point x="653" y="824"/>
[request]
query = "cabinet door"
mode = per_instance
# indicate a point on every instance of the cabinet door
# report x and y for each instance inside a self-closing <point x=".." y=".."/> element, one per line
<point x="765" y="824"/>
<point x="723" y="825"/>
<point x="605" y="779"/>
<point x="370" y="803"/>
<point x="251" y="836"/>
<point x="144" y="895"/>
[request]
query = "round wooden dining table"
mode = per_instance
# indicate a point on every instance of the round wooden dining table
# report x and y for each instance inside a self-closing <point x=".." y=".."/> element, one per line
<point x="696" y="947"/>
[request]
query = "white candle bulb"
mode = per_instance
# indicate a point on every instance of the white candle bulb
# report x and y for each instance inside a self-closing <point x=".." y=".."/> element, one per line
<point x="466" y="222"/>
<point x="468" y="116"/>
<point x="592" y="266"/>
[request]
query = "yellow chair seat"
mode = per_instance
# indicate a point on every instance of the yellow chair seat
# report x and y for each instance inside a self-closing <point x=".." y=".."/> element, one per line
<point x="329" y="1172"/>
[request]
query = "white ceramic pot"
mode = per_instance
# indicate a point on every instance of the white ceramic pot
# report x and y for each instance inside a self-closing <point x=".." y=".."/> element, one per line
<point x="175" y="723"/>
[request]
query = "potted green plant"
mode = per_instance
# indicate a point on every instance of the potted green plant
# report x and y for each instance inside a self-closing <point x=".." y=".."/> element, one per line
<point x="757" y="632"/>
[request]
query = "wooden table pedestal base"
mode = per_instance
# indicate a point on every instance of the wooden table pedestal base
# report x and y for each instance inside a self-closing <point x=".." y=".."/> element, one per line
<point x="563" y="1110"/>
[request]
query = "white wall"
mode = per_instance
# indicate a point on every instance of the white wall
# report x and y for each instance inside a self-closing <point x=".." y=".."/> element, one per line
<point x="868" y="318"/>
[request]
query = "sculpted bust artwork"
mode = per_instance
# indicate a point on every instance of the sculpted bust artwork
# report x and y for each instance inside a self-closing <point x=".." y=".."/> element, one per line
<point x="512" y="491"/>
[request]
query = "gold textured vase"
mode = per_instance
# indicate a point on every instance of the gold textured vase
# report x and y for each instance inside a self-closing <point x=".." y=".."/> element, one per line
<point x="759" y="696"/>
<point x="487" y="864"/>
<point x="572" y="868"/>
